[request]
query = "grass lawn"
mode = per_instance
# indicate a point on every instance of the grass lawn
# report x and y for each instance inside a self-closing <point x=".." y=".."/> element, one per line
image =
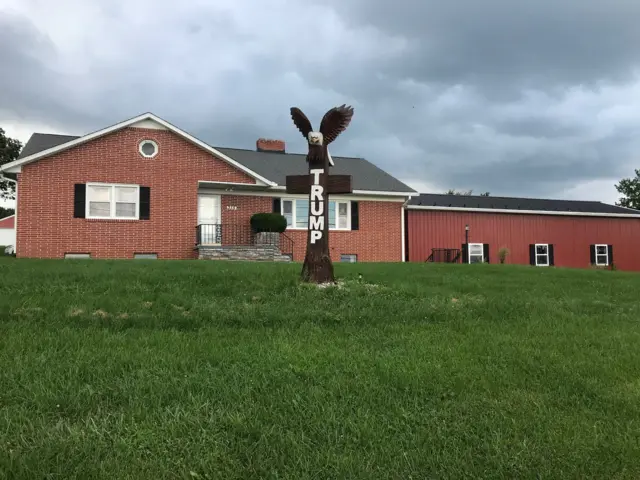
<point x="195" y="369"/>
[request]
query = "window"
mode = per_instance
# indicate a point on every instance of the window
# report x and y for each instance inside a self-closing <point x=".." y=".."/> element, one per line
<point x="112" y="201"/>
<point x="77" y="255"/>
<point x="476" y="253"/>
<point x="602" y="255"/>
<point x="542" y="254"/>
<point x="150" y="256"/>
<point x="350" y="258"/>
<point x="148" y="148"/>
<point x="297" y="213"/>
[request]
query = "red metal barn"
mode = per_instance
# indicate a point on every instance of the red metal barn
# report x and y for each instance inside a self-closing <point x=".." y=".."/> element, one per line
<point x="540" y="232"/>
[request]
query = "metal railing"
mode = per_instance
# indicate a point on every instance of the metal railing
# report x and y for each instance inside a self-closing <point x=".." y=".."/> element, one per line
<point x="238" y="235"/>
<point x="445" y="255"/>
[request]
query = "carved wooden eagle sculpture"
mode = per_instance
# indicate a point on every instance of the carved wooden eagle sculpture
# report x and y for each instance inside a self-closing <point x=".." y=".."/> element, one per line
<point x="334" y="122"/>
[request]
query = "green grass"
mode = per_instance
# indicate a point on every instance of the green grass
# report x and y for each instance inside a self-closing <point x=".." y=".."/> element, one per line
<point x="159" y="369"/>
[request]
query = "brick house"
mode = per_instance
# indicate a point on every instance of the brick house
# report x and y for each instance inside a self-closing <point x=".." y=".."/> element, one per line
<point x="145" y="188"/>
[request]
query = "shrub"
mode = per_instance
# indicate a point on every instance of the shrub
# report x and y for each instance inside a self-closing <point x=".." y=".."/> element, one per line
<point x="502" y="254"/>
<point x="268" y="222"/>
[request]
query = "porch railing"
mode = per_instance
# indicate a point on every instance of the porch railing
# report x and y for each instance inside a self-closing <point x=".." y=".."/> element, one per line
<point x="445" y="255"/>
<point x="238" y="235"/>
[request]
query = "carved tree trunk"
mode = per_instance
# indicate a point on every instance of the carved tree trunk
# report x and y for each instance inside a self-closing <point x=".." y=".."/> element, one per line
<point x="317" y="266"/>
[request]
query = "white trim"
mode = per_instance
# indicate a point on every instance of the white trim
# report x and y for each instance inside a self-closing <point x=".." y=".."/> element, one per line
<point x="606" y="254"/>
<point x="529" y="212"/>
<point x="363" y="192"/>
<point x="112" y="201"/>
<point x="148" y="125"/>
<point x="142" y="143"/>
<point x="535" y="253"/>
<point x="332" y="229"/>
<point x="272" y="193"/>
<point x="14" y="167"/>
<point x="246" y="186"/>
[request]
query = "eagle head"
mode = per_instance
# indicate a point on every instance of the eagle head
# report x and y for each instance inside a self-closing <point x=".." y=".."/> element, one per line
<point x="315" y="138"/>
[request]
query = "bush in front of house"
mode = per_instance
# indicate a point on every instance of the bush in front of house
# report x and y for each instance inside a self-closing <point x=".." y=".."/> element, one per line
<point x="268" y="222"/>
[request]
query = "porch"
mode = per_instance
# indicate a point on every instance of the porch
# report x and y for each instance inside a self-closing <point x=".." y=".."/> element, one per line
<point x="219" y="241"/>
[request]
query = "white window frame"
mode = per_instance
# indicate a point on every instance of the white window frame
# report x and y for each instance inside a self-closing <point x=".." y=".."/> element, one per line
<point x="112" y="209"/>
<point x="293" y="213"/>
<point x="353" y="257"/>
<point x="475" y="255"/>
<point x="535" y="251"/>
<point x="606" y="254"/>
<point x="142" y="143"/>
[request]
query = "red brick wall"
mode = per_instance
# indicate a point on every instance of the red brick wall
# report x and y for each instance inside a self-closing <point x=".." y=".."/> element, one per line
<point x="378" y="239"/>
<point x="46" y="227"/>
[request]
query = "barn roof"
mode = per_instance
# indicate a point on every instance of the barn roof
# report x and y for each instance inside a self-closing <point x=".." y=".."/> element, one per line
<point x="516" y="204"/>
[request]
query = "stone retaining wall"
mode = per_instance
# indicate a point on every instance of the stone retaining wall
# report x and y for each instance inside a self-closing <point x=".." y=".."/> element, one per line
<point x="266" y="253"/>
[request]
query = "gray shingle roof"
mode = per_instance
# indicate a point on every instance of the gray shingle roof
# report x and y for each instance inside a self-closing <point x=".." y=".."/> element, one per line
<point x="276" y="166"/>
<point x="271" y="165"/>
<point x="515" y="203"/>
<point x="43" y="141"/>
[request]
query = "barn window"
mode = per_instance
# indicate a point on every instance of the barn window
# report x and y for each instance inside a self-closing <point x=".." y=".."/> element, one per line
<point x="602" y="255"/>
<point x="476" y="253"/>
<point x="542" y="254"/>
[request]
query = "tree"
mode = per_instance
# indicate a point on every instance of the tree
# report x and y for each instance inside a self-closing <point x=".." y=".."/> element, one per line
<point x="9" y="151"/>
<point x="6" y="212"/>
<point x="630" y="190"/>
<point x="452" y="191"/>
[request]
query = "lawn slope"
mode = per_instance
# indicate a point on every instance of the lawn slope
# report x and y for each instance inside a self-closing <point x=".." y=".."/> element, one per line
<point x="159" y="369"/>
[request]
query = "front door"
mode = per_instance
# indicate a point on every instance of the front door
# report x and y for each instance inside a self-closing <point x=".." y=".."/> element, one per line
<point x="209" y="219"/>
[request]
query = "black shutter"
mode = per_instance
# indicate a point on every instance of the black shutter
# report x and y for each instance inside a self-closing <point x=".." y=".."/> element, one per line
<point x="276" y="205"/>
<point x="610" y="252"/>
<point x="79" y="200"/>
<point x="355" y="216"/>
<point x="551" y="257"/>
<point x="485" y="252"/>
<point x="592" y="251"/>
<point x="465" y="253"/>
<point x="145" y="203"/>
<point x="532" y="254"/>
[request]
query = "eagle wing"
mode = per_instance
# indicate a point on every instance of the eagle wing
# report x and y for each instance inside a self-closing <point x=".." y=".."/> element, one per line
<point x="334" y="122"/>
<point x="301" y="121"/>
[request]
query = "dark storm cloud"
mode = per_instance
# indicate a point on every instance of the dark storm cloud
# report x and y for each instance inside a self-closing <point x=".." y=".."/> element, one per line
<point x="510" y="97"/>
<point x="501" y="41"/>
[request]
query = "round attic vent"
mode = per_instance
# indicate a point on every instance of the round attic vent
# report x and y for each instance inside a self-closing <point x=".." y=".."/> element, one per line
<point x="148" y="148"/>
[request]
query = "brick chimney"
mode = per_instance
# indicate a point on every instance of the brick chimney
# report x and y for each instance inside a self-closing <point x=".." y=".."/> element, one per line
<point x="270" y="145"/>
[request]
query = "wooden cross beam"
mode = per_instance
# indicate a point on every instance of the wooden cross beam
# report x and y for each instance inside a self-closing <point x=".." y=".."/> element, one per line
<point x="336" y="184"/>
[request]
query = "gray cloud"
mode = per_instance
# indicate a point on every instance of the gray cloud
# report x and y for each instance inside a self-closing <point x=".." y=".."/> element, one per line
<point x="528" y="100"/>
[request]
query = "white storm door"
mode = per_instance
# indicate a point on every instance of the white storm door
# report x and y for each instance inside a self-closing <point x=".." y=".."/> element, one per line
<point x="209" y="219"/>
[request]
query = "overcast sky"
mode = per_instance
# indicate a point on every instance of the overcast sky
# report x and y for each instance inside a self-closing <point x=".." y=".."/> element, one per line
<point x="538" y="98"/>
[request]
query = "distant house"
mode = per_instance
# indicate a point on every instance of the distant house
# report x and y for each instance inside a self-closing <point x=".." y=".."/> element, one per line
<point x="145" y="188"/>
<point x="538" y="232"/>
<point x="7" y="231"/>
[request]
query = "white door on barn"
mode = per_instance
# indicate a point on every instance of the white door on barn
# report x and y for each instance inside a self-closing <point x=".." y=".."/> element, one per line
<point x="209" y="219"/>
